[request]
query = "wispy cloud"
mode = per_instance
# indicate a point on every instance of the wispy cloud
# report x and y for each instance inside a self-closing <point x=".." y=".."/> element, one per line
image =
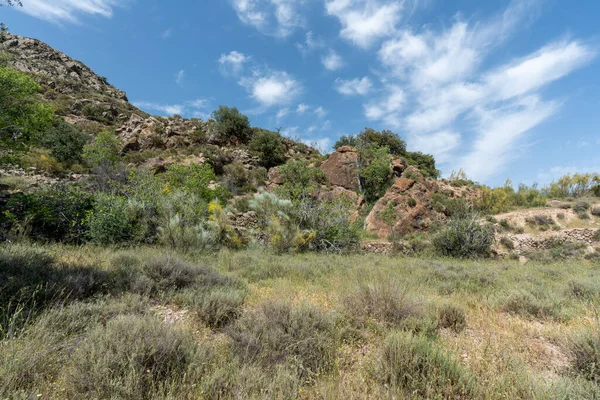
<point x="271" y="17"/>
<point x="180" y="77"/>
<point x="354" y="87"/>
<point x="434" y="87"/>
<point x="68" y="10"/>
<point x="364" y="22"/>
<point x="311" y="43"/>
<point x="194" y="108"/>
<point x="233" y="62"/>
<point x="332" y="61"/>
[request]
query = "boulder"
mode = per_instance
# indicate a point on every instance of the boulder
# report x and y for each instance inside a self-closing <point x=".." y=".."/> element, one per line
<point x="341" y="168"/>
<point x="405" y="207"/>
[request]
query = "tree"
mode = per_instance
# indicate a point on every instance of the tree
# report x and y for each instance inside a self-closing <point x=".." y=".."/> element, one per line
<point x="371" y="139"/>
<point x="103" y="151"/>
<point x="231" y="125"/>
<point x="65" y="141"/>
<point x="21" y="115"/>
<point x="269" y="146"/>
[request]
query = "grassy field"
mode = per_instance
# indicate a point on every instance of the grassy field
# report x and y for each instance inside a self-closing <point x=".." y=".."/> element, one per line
<point x="92" y="322"/>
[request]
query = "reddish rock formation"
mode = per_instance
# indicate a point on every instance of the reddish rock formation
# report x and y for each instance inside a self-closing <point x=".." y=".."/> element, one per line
<point x="341" y="168"/>
<point x="405" y="207"/>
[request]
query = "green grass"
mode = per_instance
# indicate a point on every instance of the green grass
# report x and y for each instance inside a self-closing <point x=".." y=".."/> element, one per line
<point x="93" y="322"/>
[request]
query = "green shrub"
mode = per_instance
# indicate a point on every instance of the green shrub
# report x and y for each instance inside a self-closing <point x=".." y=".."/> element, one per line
<point x="300" y="179"/>
<point x="217" y="304"/>
<point x="464" y="238"/>
<point x="507" y="242"/>
<point x="418" y="368"/>
<point x="540" y="220"/>
<point x="104" y="150"/>
<point x="384" y="301"/>
<point x="195" y="179"/>
<point x="581" y="207"/>
<point x="64" y="141"/>
<point x="375" y="173"/>
<point x="111" y="221"/>
<point x="528" y="305"/>
<point x="372" y="139"/>
<point x="278" y="333"/>
<point x="231" y="126"/>
<point x="130" y="357"/>
<point x="269" y="147"/>
<point x="452" y="317"/>
<point x="424" y="162"/>
<point x="56" y="213"/>
<point x="586" y="352"/>
<point x="596" y="211"/>
<point x="329" y="222"/>
<point x="583" y="290"/>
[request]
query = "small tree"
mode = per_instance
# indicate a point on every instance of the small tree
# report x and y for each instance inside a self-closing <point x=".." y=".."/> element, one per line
<point x="269" y="146"/>
<point x="465" y="237"/>
<point x="103" y="151"/>
<point x="65" y="141"/>
<point x="231" y="125"/>
<point x="375" y="173"/>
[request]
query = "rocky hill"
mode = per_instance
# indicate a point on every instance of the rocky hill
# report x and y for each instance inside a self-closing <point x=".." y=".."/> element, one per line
<point x="87" y="100"/>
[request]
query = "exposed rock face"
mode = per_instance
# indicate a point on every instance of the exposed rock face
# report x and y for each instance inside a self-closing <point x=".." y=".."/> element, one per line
<point x="35" y="57"/>
<point x="341" y="168"/>
<point x="405" y="207"/>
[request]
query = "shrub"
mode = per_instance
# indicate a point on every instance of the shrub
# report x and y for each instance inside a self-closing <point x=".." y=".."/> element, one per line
<point x="103" y="150"/>
<point x="130" y="357"/>
<point x="111" y="221"/>
<point x="217" y="304"/>
<point x="383" y="301"/>
<point x="452" y="317"/>
<point x="528" y="305"/>
<point x="464" y="238"/>
<point x="56" y="213"/>
<point x="576" y="185"/>
<point x="64" y="141"/>
<point x="375" y="173"/>
<point x="195" y="179"/>
<point x="170" y="273"/>
<point x="269" y="147"/>
<point x="424" y="162"/>
<point x="586" y="352"/>
<point x="277" y="333"/>
<point x="596" y="211"/>
<point x="507" y="242"/>
<point x="330" y="224"/>
<point x="583" y="290"/>
<point x="540" y="220"/>
<point x="231" y="126"/>
<point x="299" y="180"/>
<point x="418" y="368"/>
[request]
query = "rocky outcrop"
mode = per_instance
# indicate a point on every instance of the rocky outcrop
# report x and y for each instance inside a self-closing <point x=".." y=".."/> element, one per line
<point x="406" y="207"/>
<point x="527" y="242"/>
<point x="341" y="168"/>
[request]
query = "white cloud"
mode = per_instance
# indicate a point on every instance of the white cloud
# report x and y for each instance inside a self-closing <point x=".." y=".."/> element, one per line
<point x="192" y="108"/>
<point x="354" y="87"/>
<point x="436" y="87"/>
<point x="332" y="61"/>
<point x="272" y="88"/>
<point x="322" y="144"/>
<point x="310" y="44"/>
<point x="179" y="77"/>
<point x="68" y="10"/>
<point x="365" y="21"/>
<point x="271" y="17"/>
<point x="320" y="112"/>
<point x="282" y="113"/>
<point x="233" y="63"/>
<point x="302" y="108"/>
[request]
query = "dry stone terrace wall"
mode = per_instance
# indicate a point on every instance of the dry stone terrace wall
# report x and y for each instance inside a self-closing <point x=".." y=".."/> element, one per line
<point x="527" y="241"/>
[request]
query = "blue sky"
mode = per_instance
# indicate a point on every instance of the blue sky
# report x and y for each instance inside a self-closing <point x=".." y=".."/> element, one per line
<point x="502" y="89"/>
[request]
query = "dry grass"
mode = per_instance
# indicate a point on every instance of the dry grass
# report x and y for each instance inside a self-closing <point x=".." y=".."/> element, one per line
<point x="310" y="326"/>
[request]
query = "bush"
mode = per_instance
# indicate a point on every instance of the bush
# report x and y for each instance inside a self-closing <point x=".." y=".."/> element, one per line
<point x="130" y="357"/>
<point x="596" y="211"/>
<point x="586" y="352"/>
<point x="540" y="220"/>
<point x="507" y="242"/>
<point x="43" y="161"/>
<point x="195" y="179"/>
<point x="452" y="317"/>
<point x="56" y="213"/>
<point x="424" y="162"/>
<point x="269" y="147"/>
<point x="528" y="305"/>
<point x="103" y="150"/>
<point x="383" y="301"/>
<point x="217" y="304"/>
<point x="464" y="238"/>
<point x="111" y="221"/>
<point x="372" y="139"/>
<point x="375" y="173"/>
<point x="299" y="180"/>
<point x="329" y="222"/>
<point x="231" y="126"/>
<point x="418" y="368"/>
<point x="277" y="333"/>
<point x="64" y="141"/>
